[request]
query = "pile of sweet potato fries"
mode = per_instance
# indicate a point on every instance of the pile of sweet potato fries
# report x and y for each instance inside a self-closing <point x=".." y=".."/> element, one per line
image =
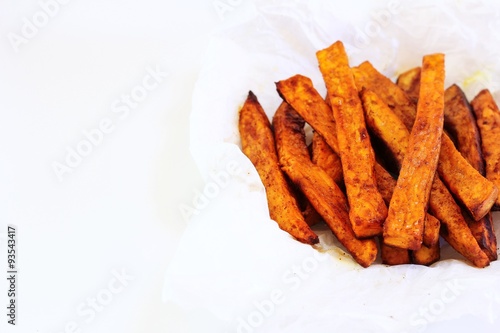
<point x="391" y="167"/>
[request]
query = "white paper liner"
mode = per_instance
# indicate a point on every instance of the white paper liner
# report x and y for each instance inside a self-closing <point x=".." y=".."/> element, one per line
<point x="233" y="261"/>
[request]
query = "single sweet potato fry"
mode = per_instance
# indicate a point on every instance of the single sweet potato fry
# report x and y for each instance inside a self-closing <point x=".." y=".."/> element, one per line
<point x="488" y="121"/>
<point x="324" y="157"/>
<point x="386" y="184"/>
<point x="366" y="76"/>
<point x="454" y="229"/>
<point x="477" y="199"/>
<point x="299" y="92"/>
<point x="394" y="255"/>
<point x="367" y="208"/>
<point x="477" y="193"/>
<point x="258" y="145"/>
<point x="484" y="233"/>
<point x="409" y="81"/>
<point x="431" y="230"/>
<point x="310" y="214"/>
<point x="460" y="123"/>
<point x="320" y="189"/>
<point x="426" y="255"/>
<point x="386" y="125"/>
<point x="404" y="225"/>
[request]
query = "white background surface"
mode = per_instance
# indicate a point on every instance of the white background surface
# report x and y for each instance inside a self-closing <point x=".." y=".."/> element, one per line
<point x="118" y="210"/>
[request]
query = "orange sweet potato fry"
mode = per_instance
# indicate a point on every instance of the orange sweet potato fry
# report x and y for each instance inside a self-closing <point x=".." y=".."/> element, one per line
<point x="367" y="208"/>
<point x="409" y="81"/>
<point x="426" y="255"/>
<point x="316" y="184"/>
<point x="488" y="121"/>
<point x="299" y="92"/>
<point x="324" y="157"/>
<point x="258" y="145"/>
<point x="404" y="225"/>
<point x="394" y="255"/>
<point x="366" y="76"/>
<point x="477" y="193"/>
<point x="460" y="123"/>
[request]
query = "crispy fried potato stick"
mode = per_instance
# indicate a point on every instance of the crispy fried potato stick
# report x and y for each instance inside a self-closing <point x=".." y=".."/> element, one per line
<point x="320" y="189"/>
<point x="488" y="121"/>
<point x="258" y="145"/>
<point x="367" y="208"/>
<point x="404" y="225"/>
<point x="475" y="192"/>
<point x="441" y="203"/>
<point x="409" y="81"/>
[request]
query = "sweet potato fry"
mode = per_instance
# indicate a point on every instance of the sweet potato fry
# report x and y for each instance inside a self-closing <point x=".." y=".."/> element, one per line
<point x="386" y="125"/>
<point x="426" y="255"/>
<point x="409" y="81"/>
<point x="431" y="230"/>
<point x="258" y="145"/>
<point x="310" y="214"/>
<point x="460" y="123"/>
<point x="320" y="189"/>
<point x="441" y="203"/>
<point x="386" y="185"/>
<point x="299" y="92"/>
<point x="478" y="194"/>
<point x="488" y="121"/>
<point x="478" y="198"/>
<point x="390" y="255"/>
<point x="366" y="76"/>
<point x="394" y="255"/>
<point x="367" y="208"/>
<point x="324" y="157"/>
<point x="404" y="225"/>
<point x="484" y="233"/>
